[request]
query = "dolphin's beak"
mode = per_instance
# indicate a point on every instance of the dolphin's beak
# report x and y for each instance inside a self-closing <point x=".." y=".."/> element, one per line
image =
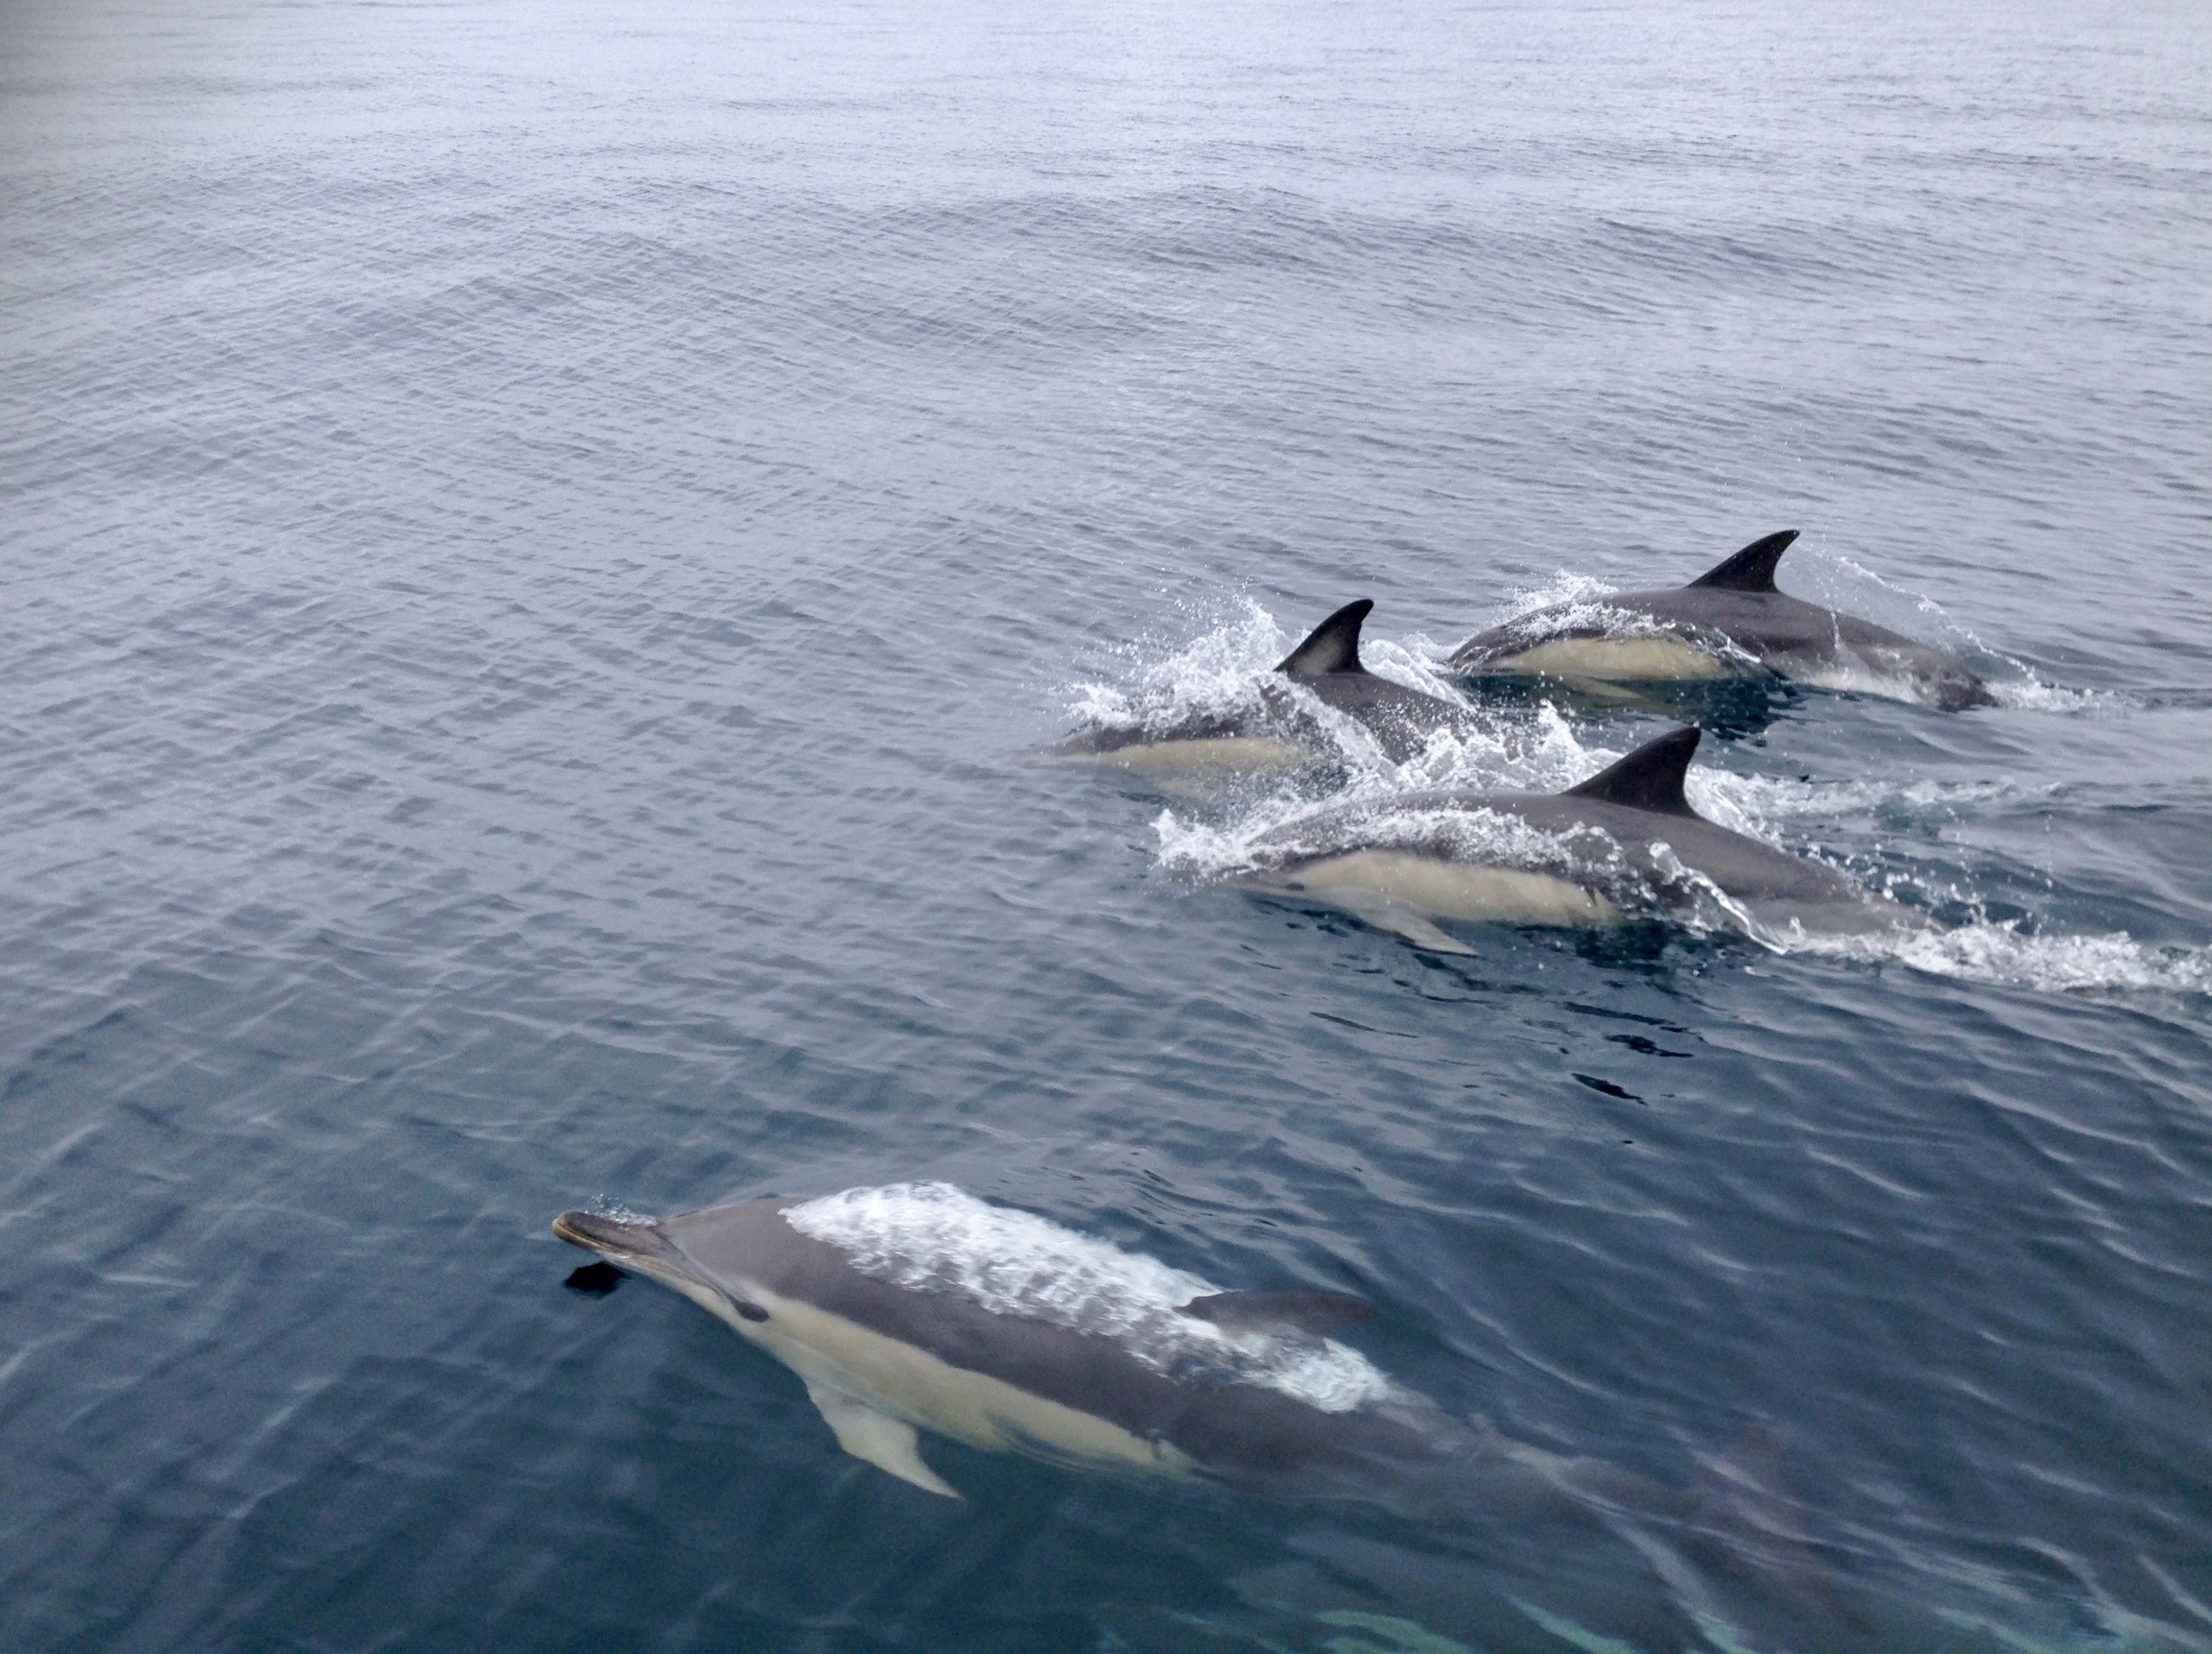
<point x="610" y="1237"/>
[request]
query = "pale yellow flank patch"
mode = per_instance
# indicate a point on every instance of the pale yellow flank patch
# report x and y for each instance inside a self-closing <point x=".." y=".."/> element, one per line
<point x="1229" y="753"/>
<point x="1619" y="659"/>
<point x="852" y="1373"/>
<point x="1452" y="889"/>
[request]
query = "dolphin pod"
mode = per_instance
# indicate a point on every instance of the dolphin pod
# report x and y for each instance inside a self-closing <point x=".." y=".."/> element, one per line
<point x="1730" y="620"/>
<point x="1624" y="841"/>
<point x="915" y="1309"/>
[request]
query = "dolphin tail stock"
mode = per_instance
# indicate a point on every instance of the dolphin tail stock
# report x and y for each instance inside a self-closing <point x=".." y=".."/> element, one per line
<point x="1750" y="569"/>
<point x="1332" y="646"/>
<point x="1736" y="1540"/>
<point x="1744" y="1530"/>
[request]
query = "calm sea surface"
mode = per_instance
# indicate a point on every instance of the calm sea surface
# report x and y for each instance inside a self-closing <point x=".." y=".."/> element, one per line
<point x="541" y="542"/>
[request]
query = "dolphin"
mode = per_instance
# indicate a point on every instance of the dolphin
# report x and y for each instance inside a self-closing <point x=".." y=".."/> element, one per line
<point x="1626" y="841"/>
<point x="1730" y="620"/>
<point x="917" y="1307"/>
<point x="1282" y="732"/>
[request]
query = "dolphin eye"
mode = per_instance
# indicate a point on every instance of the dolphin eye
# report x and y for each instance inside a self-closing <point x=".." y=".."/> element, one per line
<point x="751" y="1311"/>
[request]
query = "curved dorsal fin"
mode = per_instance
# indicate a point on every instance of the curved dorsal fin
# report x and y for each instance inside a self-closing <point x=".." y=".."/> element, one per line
<point x="1649" y="778"/>
<point x="1750" y="569"/>
<point x="1332" y="646"/>
<point x="1318" y="1313"/>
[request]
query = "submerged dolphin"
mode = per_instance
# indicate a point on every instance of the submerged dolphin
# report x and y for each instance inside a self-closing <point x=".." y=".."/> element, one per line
<point x="1282" y="732"/>
<point x="1729" y="620"/>
<point x="1626" y="840"/>
<point x="920" y="1306"/>
<point x="917" y="1307"/>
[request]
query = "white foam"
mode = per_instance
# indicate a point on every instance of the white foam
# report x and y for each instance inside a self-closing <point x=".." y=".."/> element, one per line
<point x="1565" y="589"/>
<point x="2002" y="954"/>
<point x="1850" y="674"/>
<point x="1227" y="672"/>
<point x="2028" y="693"/>
<point x="1218" y="670"/>
<point x="936" y="1238"/>
<point x="1538" y="754"/>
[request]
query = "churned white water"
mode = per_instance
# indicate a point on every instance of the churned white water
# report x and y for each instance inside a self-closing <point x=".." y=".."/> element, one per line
<point x="936" y="1238"/>
<point x="1857" y="824"/>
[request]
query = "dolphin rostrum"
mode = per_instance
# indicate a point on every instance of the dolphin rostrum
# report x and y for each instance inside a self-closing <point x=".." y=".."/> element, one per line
<point x="1624" y="841"/>
<point x="1728" y="621"/>
<point x="1282" y="732"/>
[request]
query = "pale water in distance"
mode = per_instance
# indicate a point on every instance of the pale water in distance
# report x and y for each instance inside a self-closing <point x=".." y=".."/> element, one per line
<point x="540" y="542"/>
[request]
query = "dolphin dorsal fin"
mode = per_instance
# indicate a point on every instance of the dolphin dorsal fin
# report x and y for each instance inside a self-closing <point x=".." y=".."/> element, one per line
<point x="1332" y="646"/>
<point x="1649" y="778"/>
<point x="1318" y="1313"/>
<point x="1750" y="569"/>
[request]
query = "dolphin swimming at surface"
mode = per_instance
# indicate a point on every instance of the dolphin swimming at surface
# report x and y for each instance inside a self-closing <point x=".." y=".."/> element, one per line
<point x="1731" y="620"/>
<point x="1282" y="732"/>
<point x="916" y="1306"/>
<point x="1626" y="840"/>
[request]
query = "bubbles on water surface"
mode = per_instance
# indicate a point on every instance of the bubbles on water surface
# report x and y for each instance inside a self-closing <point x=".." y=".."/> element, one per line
<point x="937" y="1237"/>
<point x="1218" y="673"/>
<point x="1876" y="830"/>
<point x="2008" y="955"/>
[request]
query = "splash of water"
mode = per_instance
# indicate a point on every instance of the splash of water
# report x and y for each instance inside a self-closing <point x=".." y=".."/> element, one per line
<point x="936" y="1238"/>
<point x="2008" y="955"/>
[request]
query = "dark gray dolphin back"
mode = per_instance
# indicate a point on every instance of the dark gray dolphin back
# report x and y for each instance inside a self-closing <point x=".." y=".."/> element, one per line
<point x="1332" y="646"/>
<point x="1750" y="569"/>
<point x="1237" y="1431"/>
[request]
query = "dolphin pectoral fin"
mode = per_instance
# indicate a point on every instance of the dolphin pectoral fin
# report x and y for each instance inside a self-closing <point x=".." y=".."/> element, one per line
<point x="1381" y="913"/>
<point x="887" y="1444"/>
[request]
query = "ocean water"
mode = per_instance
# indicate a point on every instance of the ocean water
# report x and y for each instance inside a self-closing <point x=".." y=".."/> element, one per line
<point x="541" y="543"/>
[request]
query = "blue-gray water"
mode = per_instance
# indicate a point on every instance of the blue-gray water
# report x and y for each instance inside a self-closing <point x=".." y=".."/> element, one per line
<point x="540" y="540"/>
